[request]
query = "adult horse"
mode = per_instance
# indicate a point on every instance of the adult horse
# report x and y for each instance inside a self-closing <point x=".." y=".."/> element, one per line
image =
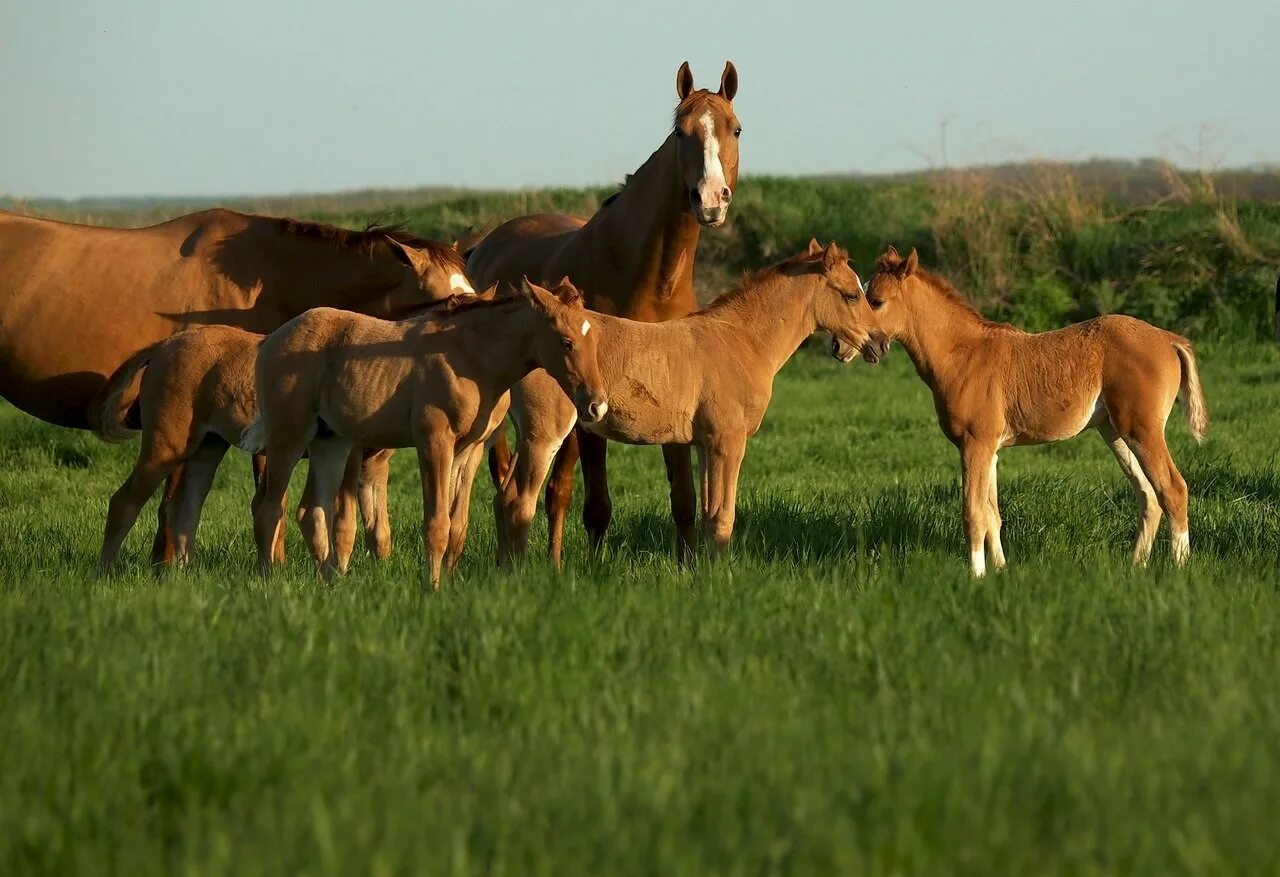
<point x="633" y="258"/>
<point x="77" y="301"/>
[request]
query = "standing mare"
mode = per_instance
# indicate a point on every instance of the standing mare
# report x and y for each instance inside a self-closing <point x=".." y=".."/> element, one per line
<point x="77" y="301"/>
<point x="995" y="385"/>
<point x="634" y="259"/>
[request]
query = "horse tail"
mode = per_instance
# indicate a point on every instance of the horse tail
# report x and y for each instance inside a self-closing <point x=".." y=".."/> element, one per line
<point x="109" y="411"/>
<point x="254" y="437"/>
<point x="1278" y="308"/>
<point x="1191" y="391"/>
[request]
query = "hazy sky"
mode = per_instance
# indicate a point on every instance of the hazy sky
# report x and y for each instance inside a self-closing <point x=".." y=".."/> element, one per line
<point x="169" y="97"/>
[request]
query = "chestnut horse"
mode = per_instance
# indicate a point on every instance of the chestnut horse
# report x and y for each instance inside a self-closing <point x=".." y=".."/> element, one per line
<point x="706" y="380"/>
<point x="330" y="381"/>
<point x="77" y="301"/>
<point x="995" y="386"/>
<point x="634" y="259"/>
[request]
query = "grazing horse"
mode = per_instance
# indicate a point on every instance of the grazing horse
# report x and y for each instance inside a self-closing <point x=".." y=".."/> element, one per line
<point x="704" y="380"/>
<point x="331" y="381"/>
<point x="195" y="393"/>
<point x="77" y="301"/>
<point x="634" y="259"/>
<point x="995" y="385"/>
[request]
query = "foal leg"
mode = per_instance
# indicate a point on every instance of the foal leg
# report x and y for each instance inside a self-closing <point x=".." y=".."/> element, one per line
<point x="269" y="505"/>
<point x="684" y="501"/>
<point x="460" y="516"/>
<point x="375" y="472"/>
<point x="127" y="502"/>
<point x="259" y="464"/>
<point x="435" y="463"/>
<point x="516" y="501"/>
<point x="324" y="479"/>
<point x="162" y="547"/>
<point x="1148" y="445"/>
<point x="597" y="508"/>
<point x="976" y="469"/>
<point x="559" y="495"/>
<point x="184" y="508"/>
<point x="720" y="464"/>
<point x="500" y="459"/>
<point x="994" y="521"/>
<point x="344" y="523"/>
<point x="1148" y="505"/>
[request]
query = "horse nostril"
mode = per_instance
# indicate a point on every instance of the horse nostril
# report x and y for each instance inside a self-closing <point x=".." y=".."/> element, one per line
<point x="726" y="194"/>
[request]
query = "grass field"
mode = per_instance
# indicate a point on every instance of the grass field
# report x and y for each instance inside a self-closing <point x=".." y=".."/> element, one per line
<point x="839" y="696"/>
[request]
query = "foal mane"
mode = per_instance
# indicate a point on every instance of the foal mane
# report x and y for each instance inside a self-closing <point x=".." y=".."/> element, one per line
<point x="944" y="289"/>
<point x="750" y="281"/>
<point x="369" y="238"/>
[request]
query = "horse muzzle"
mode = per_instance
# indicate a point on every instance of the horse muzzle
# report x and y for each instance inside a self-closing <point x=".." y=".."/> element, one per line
<point x="876" y="348"/>
<point x="591" y="408"/>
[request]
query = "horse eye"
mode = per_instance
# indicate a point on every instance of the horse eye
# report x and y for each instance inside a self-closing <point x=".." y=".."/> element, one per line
<point x="737" y="132"/>
<point x="853" y="298"/>
<point x="566" y="343"/>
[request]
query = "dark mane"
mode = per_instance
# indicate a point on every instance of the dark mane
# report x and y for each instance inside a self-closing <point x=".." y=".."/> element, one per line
<point x="370" y="238"/>
<point x="614" y="197"/>
<point x="461" y="304"/>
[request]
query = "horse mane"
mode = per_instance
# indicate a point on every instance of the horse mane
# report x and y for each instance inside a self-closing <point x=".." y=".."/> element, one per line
<point x="462" y="303"/>
<point x="369" y="238"/>
<point x="621" y="188"/>
<point x="949" y="293"/>
<point x="750" y="281"/>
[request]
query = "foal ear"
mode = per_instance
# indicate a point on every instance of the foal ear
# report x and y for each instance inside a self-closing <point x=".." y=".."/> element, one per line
<point x="888" y="260"/>
<point x="911" y="264"/>
<point x="540" y="297"/>
<point x="684" y="81"/>
<point x="729" y="81"/>
<point x="814" y="247"/>
<point x="567" y="292"/>
<point x="831" y="256"/>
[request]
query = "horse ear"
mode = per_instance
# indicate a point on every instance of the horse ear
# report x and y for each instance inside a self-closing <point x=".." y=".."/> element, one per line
<point x="684" y="81"/>
<point x="729" y="81"/>
<point x="814" y="247"/>
<point x="911" y="264"/>
<point x="406" y="254"/>
<point x="540" y="297"/>
<point x="490" y="293"/>
<point x="831" y="256"/>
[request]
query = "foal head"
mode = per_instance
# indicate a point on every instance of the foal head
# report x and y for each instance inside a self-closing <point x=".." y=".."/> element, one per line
<point x="433" y="272"/>
<point x="707" y="132"/>
<point x="888" y="288"/>
<point x="839" y="303"/>
<point x="565" y="346"/>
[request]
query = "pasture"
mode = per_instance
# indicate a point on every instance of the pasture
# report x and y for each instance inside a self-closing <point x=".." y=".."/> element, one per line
<point x="838" y="695"/>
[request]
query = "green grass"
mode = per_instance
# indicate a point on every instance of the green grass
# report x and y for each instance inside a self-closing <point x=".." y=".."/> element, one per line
<point x="837" y="697"/>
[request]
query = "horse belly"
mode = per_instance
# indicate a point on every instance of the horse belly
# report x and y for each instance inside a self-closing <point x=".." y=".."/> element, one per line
<point x="1056" y="422"/>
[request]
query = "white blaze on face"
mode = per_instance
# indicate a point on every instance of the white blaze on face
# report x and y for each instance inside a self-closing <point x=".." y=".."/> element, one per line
<point x="713" y="182"/>
<point x="586" y="327"/>
<point x="459" y="285"/>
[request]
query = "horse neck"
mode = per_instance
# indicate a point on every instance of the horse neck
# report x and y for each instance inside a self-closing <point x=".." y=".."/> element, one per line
<point x="773" y="315"/>
<point x="505" y="334"/>
<point x="938" y="324"/>
<point x="649" y="231"/>
<point x="334" y="277"/>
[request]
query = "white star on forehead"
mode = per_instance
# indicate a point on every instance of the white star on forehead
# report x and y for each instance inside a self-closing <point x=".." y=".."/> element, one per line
<point x="586" y="327"/>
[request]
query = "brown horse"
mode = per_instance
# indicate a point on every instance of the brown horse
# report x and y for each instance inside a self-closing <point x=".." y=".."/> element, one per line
<point x="633" y="259"/>
<point x="704" y="380"/>
<point x="331" y="381"/>
<point x="77" y="301"/>
<point x="994" y="386"/>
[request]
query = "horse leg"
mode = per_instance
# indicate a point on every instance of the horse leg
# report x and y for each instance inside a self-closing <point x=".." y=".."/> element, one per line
<point x="684" y="500"/>
<point x="324" y="479"/>
<point x="597" y="508"/>
<point x="719" y="465"/>
<point x="184" y="508"/>
<point x="435" y="464"/>
<point x="1148" y="504"/>
<point x="559" y="495"/>
<point x="162" y="547"/>
<point x="516" y="501"/>
<point x="259" y="464"/>
<point x="375" y="472"/>
<point x="460" y="517"/>
<point x="994" y="521"/>
<point x="976" y="468"/>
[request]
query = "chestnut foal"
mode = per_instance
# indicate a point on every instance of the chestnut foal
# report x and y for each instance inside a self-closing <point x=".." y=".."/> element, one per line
<point x="995" y="385"/>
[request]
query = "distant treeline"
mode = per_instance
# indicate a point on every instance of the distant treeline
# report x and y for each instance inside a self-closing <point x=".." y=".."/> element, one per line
<point x="1041" y="245"/>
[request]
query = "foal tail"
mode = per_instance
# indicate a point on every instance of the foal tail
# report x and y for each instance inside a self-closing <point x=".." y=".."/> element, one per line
<point x="254" y="437"/>
<point x="109" y="411"/>
<point x="1191" y="391"/>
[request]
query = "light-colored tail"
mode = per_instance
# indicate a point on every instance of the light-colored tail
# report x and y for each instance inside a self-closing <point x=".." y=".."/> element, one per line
<point x="254" y="437"/>
<point x="110" y="407"/>
<point x="1191" y="391"/>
